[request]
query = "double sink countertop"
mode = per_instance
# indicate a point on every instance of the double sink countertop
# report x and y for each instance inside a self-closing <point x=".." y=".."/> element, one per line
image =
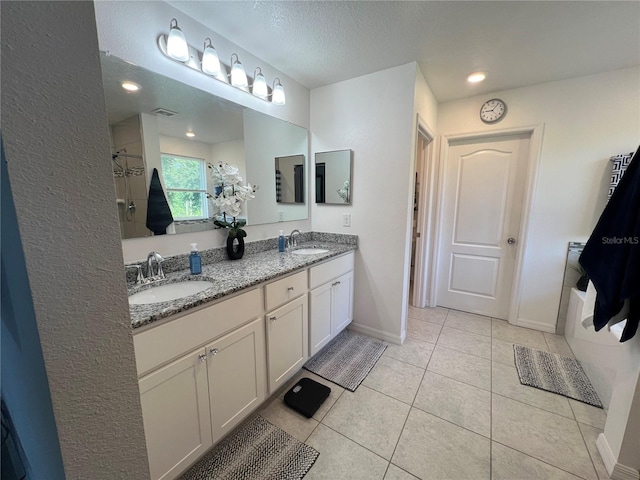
<point x="230" y="276"/>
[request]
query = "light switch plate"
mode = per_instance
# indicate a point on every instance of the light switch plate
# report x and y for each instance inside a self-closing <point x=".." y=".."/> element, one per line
<point x="346" y="219"/>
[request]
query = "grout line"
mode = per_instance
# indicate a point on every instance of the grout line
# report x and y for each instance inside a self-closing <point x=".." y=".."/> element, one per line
<point x="491" y="409"/>
<point x="584" y="440"/>
<point x="353" y="441"/>
<point x="537" y="408"/>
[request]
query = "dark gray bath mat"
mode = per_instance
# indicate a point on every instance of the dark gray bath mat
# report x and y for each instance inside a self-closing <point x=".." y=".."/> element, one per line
<point x="347" y="359"/>
<point x="554" y="373"/>
<point x="257" y="450"/>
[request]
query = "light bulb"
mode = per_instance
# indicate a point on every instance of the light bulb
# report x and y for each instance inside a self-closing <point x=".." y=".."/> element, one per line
<point x="176" y="43"/>
<point x="259" y="88"/>
<point x="476" y="77"/>
<point x="238" y="75"/>
<point x="210" y="60"/>
<point x="278" y="97"/>
<point x="130" y="86"/>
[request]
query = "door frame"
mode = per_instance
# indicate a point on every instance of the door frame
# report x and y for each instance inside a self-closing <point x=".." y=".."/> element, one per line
<point x="535" y="149"/>
<point x="426" y="216"/>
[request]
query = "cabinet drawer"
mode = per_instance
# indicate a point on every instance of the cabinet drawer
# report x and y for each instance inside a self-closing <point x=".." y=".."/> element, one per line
<point x="328" y="271"/>
<point x="286" y="289"/>
<point x="158" y="345"/>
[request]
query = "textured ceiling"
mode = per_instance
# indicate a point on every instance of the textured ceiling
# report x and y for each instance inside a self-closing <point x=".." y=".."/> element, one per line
<point x="518" y="43"/>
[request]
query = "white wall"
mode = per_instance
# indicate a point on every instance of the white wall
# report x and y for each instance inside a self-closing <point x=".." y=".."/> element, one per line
<point x="121" y="33"/>
<point x="56" y="140"/>
<point x="586" y="120"/>
<point x="372" y="115"/>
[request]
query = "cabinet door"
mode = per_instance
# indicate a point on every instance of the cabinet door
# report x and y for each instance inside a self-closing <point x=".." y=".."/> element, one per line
<point x="342" y="309"/>
<point x="287" y="341"/>
<point x="237" y="376"/>
<point x="320" y="318"/>
<point x="175" y="411"/>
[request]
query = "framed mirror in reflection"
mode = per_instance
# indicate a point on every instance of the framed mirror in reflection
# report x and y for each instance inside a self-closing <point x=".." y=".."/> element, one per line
<point x="290" y="179"/>
<point x="179" y="130"/>
<point x="333" y="177"/>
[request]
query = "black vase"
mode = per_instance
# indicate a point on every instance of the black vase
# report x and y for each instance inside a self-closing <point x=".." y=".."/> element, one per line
<point x="235" y="247"/>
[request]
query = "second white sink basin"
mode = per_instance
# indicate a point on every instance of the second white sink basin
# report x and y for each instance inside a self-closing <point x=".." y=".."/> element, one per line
<point x="310" y="251"/>
<point x="170" y="291"/>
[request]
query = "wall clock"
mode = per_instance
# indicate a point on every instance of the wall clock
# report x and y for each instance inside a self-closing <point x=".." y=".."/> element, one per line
<point x="493" y="110"/>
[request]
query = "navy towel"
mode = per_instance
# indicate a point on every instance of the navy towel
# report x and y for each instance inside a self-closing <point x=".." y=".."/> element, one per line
<point x="611" y="256"/>
<point x="158" y="212"/>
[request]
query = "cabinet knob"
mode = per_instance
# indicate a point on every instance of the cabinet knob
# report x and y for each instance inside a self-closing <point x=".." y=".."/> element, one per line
<point x="335" y="283"/>
<point x="202" y="357"/>
<point x="213" y="351"/>
<point x="290" y="289"/>
<point x="273" y="318"/>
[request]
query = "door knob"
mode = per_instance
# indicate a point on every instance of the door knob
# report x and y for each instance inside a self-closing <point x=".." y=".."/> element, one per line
<point x="213" y="351"/>
<point x="203" y="357"/>
<point x="511" y="240"/>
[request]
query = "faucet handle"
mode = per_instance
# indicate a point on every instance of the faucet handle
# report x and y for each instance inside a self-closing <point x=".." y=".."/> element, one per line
<point x="139" y="275"/>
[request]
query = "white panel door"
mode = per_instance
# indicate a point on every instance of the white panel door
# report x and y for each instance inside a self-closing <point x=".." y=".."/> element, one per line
<point x="342" y="308"/>
<point x="484" y="183"/>
<point x="320" y="318"/>
<point x="175" y="411"/>
<point x="237" y="376"/>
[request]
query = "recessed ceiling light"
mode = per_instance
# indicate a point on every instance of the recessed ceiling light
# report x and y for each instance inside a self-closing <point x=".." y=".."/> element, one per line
<point x="476" y="77"/>
<point x="190" y="134"/>
<point x="130" y="86"/>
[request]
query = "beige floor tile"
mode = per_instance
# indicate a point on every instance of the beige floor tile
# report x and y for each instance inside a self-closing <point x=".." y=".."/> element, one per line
<point x="469" y="322"/>
<point x="502" y="352"/>
<point x="557" y="344"/>
<point x="395" y="378"/>
<point x="524" y="336"/>
<point x="457" y="402"/>
<point x="423" y="331"/>
<point x="336" y="391"/>
<point x="509" y="464"/>
<point x="505" y="382"/>
<point x="433" y="315"/>
<point x="590" y="435"/>
<point x="369" y="418"/>
<point x="288" y="420"/>
<point x="434" y="448"/>
<point x="411" y="351"/>
<point x="396" y="473"/>
<point x="471" y="343"/>
<point x="461" y="366"/>
<point x="341" y="458"/>
<point x="585" y="413"/>
<point x="552" y="438"/>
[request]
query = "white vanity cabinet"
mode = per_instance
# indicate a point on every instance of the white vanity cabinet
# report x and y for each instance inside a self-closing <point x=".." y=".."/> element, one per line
<point x="175" y="411"/>
<point x="287" y="328"/>
<point x="331" y="300"/>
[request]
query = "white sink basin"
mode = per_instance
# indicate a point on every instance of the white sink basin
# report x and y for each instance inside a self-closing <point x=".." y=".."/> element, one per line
<point x="170" y="291"/>
<point x="310" y="251"/>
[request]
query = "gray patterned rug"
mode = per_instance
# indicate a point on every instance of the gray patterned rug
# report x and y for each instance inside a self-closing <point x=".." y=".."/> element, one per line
<point x="554" y="373"/>
<point x="347" y="359"/>
<point x="257" y="450"/>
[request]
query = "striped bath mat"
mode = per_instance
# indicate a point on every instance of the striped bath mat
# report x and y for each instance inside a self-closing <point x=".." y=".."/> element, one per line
<point x="554" y="373"/>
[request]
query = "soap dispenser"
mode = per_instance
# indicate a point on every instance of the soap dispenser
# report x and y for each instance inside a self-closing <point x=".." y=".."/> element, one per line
<point x="195" y="260"/>
<point x="282" y="243"/>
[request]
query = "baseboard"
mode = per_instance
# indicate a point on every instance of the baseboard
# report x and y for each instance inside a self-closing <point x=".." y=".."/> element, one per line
<point x="543" y="327"/>
<point x="375" y="333"/>
<point x="616" y="471"/>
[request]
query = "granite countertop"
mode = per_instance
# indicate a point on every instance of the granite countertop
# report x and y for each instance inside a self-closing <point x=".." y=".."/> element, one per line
<point x="230" y="276"/>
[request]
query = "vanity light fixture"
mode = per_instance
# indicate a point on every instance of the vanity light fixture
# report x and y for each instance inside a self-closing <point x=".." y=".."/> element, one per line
<point x="476" y="77"/>
<point x="210" y="60"/>
<point x="176" y="43"/>
<point x="238" y="75"/>
<point x="190" y="134"/>
<point x="130" y="86"/>
<point x="277" y="97"/>
<point x="259" y="87"/>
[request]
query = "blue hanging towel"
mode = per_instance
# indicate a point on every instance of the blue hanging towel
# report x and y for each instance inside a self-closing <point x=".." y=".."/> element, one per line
<point x="158" y="212"/>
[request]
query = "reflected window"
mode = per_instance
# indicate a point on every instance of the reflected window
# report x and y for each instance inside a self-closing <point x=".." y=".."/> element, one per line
<point x="186" y="186"/>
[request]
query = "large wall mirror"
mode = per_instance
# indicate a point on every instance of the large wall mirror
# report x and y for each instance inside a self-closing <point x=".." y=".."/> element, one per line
<point x="178" y="130"/>
<point x="333" y="177"/>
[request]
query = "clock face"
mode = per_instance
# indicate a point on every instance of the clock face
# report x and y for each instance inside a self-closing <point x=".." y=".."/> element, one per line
<point x="493" y="110"/>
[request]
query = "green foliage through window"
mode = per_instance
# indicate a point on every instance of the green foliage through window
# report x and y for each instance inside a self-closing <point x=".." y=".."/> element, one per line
<point x="185" y="182"/>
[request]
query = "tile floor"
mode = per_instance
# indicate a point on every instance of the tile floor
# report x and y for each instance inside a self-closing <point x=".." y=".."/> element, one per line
<point x="448" y="405"/>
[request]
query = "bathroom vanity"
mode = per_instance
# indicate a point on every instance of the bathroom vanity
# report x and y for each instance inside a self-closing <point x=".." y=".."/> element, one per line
<point x="206" y="363"/>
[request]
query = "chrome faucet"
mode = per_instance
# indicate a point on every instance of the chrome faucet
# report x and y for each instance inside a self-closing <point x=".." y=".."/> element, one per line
<point x="154" y="256"/>
<point x="292" y="239"/>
